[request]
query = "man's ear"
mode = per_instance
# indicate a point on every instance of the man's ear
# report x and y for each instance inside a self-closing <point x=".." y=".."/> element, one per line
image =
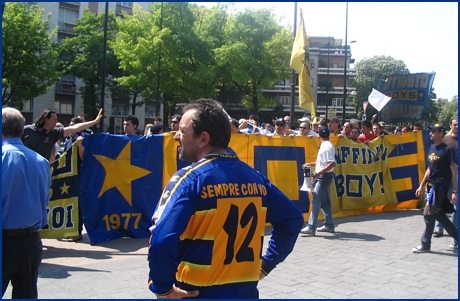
<point x="205" y="138"/>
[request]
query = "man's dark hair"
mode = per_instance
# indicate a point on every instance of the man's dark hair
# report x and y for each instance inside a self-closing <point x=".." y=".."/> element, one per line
<point x="76" y="120"/>
<point x="40" y="121"/>
<point x="234" y="122"/>
<point x="453" y="118"/>
<point x="177" y="116"/>
<point x="210" y="117"/>
<point x="133" y="120"/>
<point x="254" y="117"/>
<point x="158" y="118"/>
<point x="84" y="115"/>
<point x="367" y="123"/>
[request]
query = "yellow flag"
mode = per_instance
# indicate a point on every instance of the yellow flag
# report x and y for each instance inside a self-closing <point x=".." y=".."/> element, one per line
<point x="300" y="63"/>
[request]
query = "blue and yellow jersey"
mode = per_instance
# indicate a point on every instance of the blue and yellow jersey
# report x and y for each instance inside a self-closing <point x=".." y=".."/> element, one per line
<point x="208" y="229"/>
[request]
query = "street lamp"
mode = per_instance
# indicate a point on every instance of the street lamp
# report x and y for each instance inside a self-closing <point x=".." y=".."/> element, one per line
<point x="345" y="66"/>
<point x="327" y="74"/>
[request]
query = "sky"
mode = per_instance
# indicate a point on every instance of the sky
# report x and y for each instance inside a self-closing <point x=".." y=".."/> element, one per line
<point x="422" y="34"/>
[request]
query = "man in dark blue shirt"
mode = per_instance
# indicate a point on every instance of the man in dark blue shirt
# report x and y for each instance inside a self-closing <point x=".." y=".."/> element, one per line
<point x="440" y="174"/>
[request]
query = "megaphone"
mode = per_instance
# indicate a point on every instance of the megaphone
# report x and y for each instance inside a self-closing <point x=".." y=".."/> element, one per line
<point x="306" y="179"/>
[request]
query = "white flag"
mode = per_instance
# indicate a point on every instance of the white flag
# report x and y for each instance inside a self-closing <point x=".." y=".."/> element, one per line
<point x="378" y="100"/>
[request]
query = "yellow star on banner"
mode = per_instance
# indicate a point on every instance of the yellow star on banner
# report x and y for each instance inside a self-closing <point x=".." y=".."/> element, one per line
<point x="64" y="189"/>
<point x="119" y="173"/>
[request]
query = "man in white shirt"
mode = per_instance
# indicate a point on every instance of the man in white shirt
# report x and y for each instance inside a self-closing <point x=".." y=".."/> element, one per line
<point x="322" y="181"/>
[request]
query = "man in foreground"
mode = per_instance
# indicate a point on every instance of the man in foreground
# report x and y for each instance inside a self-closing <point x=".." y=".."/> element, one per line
<point x="25" y="194"/>
<point x="440" y="174"/>
<point x="209" y="224"/>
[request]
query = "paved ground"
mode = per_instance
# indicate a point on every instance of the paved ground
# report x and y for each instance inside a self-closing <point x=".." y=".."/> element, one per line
<point x="368" y="257"/>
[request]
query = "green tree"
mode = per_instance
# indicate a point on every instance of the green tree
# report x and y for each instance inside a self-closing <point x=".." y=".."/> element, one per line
<point x="255" y="55"/>
<point x="368" y="73"/>
<point x="82" y="57"/>
<point x="136" y="43"/>
<point x="28" y="53"/>
<point x="448" y="110"/>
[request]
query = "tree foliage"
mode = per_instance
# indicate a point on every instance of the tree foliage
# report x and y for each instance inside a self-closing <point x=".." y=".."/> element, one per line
<point x="28" y="53"/>
<point x="447" y="110"/>
<point x="368" y="73"/>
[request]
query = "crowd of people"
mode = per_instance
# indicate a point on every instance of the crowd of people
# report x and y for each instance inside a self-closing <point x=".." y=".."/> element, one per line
<point x="197" y="246"/>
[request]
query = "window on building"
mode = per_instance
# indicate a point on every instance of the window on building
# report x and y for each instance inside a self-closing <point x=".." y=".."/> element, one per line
<point x="127" y="4"/>
<point x="63" y="107"/>
<point x="119" y="110"/>
<point x="149" y="112"/>
<point x="285" y="100"/>
<point x="68" y="16"/>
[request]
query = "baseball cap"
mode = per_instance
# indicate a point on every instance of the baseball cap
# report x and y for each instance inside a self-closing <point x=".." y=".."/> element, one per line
<point x="437" y="127"/>
<point x="324" y="132"/>
<point x="304" y="119"/>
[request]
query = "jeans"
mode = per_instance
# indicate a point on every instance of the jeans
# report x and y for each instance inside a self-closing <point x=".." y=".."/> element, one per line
<point x="429" y="227"/>
<point x="453" y="218"/>
<point x="322" y="199"/>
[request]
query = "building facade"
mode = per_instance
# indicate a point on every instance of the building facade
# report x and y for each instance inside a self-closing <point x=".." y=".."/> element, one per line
<point x="64" y="96"/>
<point x="327" y="62"/>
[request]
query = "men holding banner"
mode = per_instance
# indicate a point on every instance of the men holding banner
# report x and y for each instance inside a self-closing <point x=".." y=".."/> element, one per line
<point x="208" y="227"/>
<point x="440" y="174"/>
<point x="323" y="176"/>
<point x="25" y="195"/>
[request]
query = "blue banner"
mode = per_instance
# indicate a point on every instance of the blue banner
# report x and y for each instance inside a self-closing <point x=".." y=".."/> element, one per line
<point x="121" y="179"/>
<point x="409" y="94"/>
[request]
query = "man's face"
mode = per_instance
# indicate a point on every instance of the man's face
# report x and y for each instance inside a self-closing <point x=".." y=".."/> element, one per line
<point x="354" y="134"/>
<point x="287" y="120"/>
<point x="189" y="149"/>
<point x="347" y="128"/>
<point x="436" y="136"/>
<point x="156" y="122"/>
<point x="304" y="128"/>
<point x="82" y="118"/>
<point x="129" y="127"/>
<point x="50" y="123"/>
<point x="252" y="121"/>
<point x="376" y="129"/>
<point x="454" y="127"/>
<point x="366" y="130"/>
<point x="174" y="124"/>
<point x="279" y="127"/>
<point x="333" y="126"/>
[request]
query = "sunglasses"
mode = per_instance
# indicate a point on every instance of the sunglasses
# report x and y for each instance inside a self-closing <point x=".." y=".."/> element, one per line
<point x="174" y="122"/>
<point x="303" y="128"/>
<point x="279" y="124"/>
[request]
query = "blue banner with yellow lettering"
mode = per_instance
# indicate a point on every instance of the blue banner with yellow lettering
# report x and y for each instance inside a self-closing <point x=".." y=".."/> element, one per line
<point x="63" y="206"/>
<point x="409" y="94"/>
<point x="122" y="177"/>
<point x="121" y="181"/>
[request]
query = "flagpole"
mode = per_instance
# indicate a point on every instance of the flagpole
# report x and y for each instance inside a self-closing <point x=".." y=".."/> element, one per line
<point x="104" y="61"/>
<point x="293" y="71"/>
<point x="345" y="68"/>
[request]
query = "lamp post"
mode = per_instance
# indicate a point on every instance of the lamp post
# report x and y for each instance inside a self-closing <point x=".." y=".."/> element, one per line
<point x="291" y="113"/>
<point x="327" y="74"/>
<point x="104" y="61"/>
<point x="345" y="65"/>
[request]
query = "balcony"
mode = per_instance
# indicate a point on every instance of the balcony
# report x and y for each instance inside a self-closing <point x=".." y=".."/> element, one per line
<point x="66" y="28"/>
<point x="67" y="88"/>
